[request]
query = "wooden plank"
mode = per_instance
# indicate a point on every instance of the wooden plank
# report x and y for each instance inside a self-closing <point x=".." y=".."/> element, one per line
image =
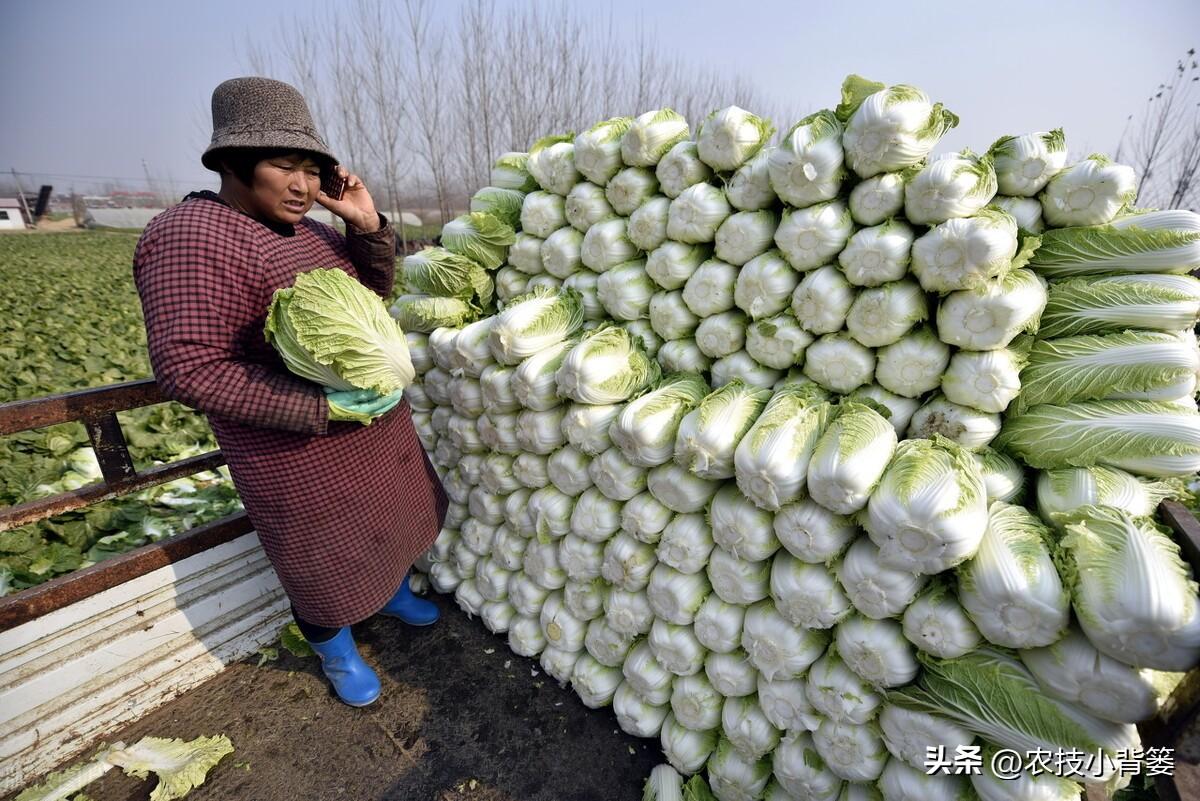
<point x="68" y="407"/>
<point x="1187" y="531"/>
<point x="42" y="508"/>
<point x="108" y="441"/>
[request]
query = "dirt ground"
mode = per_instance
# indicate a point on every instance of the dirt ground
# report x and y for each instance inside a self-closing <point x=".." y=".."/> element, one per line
<point x="461" y="718"/>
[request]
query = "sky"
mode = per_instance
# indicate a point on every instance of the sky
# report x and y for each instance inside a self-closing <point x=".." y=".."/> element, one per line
<point x="119" y="89"/>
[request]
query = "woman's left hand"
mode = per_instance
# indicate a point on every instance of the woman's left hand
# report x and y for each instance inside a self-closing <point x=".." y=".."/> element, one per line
<point x="356" y="206"/>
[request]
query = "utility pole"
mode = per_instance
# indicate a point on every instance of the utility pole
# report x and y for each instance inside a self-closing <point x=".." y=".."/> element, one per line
<point x="21" y="197"/>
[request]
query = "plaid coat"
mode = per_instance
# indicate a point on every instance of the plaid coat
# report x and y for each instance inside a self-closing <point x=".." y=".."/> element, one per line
<point x="342" y="509"/>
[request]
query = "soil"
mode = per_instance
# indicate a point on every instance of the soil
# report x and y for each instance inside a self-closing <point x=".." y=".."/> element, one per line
<point x="461" y="718"/>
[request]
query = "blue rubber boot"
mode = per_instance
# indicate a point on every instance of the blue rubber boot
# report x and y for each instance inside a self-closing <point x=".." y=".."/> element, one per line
<point x="412" y="610"/>
<point x="352" y="679"/>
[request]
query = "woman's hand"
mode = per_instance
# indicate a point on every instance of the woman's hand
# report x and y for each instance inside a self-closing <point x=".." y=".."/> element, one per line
<point x="356" y="206"/>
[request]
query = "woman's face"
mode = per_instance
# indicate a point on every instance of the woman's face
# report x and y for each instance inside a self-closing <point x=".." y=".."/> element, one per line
<point x="284" y="188"/>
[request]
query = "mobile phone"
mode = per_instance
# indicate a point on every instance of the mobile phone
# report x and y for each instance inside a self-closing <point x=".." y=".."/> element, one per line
<point x="333" y="185"/>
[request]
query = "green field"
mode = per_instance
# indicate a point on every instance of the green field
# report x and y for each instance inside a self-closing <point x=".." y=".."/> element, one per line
<point x="70" y="319"/>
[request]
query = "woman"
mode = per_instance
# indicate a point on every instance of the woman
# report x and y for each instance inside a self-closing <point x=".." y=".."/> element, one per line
<point x="342" y="509"/>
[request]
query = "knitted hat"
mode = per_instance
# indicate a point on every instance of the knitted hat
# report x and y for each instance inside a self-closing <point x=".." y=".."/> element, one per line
<point x="260" y="112"/>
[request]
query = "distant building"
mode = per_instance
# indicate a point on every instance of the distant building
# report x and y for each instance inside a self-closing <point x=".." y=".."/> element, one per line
<point x="11" y="216"/>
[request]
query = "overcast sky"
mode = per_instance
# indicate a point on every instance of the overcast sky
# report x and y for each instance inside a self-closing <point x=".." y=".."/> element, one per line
<point x="95" y="89"/>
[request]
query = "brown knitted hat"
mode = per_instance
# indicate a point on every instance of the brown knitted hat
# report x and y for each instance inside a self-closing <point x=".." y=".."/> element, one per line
<point x="260" y="112"/>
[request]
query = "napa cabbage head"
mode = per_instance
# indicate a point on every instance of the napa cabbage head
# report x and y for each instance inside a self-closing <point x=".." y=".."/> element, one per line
<point x="771" y="460"/>
<point x="511" y="171"/>
<point x="850" y="457"/>
<point x="888" y="128"/>
<point x="480" y="237"/>
<point x="533" y="322"/>
<point x="1025" y="164"/>
<point x="607" y="366"/>
<point x="808" y="167"/>
<point x="437" y="271"/>
<point x="598" y="149"/>
<point x="953" y="185"/>
<point x="730" y="137"/>
<point x="709" y="434"/>
<point x="645" y="430"/>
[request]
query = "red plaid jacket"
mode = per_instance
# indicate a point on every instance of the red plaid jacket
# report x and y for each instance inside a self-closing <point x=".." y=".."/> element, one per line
<point x="342" y="510"/>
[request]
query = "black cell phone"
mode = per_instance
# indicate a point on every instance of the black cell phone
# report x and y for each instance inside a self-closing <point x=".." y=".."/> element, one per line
<point x="333" y="185"/>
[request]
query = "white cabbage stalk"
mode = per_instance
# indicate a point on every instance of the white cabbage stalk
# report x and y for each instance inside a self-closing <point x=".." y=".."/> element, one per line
<point x="965" y="252"/>
<point x="787" y="707"/>
<point x="721" y="334"/>
<point x="1060" y="492"/>
<point x="685" y="543"/>
<point x="838" y="363"/>
<point x="812" y="533"/>
<point x="1106" y="305"/>
<point x="478" y="536"/>
<point x="1027" y="211"/>
<point x="647" y="228"/>
<point x="441" y="347"/>
<point x="580" y="558"/>
<point x="615" y="476"/>
<point x="486" y="507"/>
<point x="1025" y="164"/>
<point x="649" y="679"/>
<point x="738" y="581"/>
<point x="807" y="168"/>
<point x="542" y="214"/>
<point x="562" y="629"/>
<point x="606" y="244"/>
<point x="585" y="206"/>
<point x="630" y="188"/>
<point x="497" y="616"/>
<point x="525" y="636"/>
<point x="593" y="682"/>
<point x="466" y="397"/>
<point x="837" y="693"/>
<point x="746" y="235"/>
<point x="676" y="648"/>
<point x="937" y="623"/>
<point x="551" y="511"/>
<point x="562" y="253"/>
<point x="731" y="674"/>
<point x="882" y="315"/>
<point x="608" y="647"/>
<point x="993" y="314"/>
<point x="446" y="454"/>
<point x="443" y="546"/>
<point x="643" y="333"/>
<point x="730" y="137"/>
<point x="680" y="490"/>
<point x="853" y="751"/>
<point x="850" y="458"/>
<point x="674" y="596"/>
<point x="821" y="300"/>
<point x="734" y="777"/>
<point x="1089" y="192"/>
<point x="930" y="509"/>
<point x="908" y="733"/>
<point x="471" y="353"/>
<point x="541" y="432"/>
<point x="533" y="323"/>
<point x="629" y="564"/>
<point x="709" y="434"/>
<point x="545" y="282"/>
<point x="750" y="187"/>
<point x="877" y="651"/>
<point x="651" y="136"/>
<point x="1139" y="242"/>
<point x="509" y="548"/>
<point x="510" y="283"/>
<point x="595" y="517"/>
<point x="437" y="386"/>
<point x="777" y="342"/>
<point x="625" y="291"/>
<point x="811" y="237"/>
<point x="559" y="664"/>
<point x="718" y="625"/>
<point x="531" y="470"/>
<point x="764" y="286"/>
<point x="586" y="426"/>
<point x="890" y="128"/>
<point x="710" y="288"/>
<point x="468" y="598"/>
<point x="645" y="430"/>
<point x="953" y="185"/>
<point x="1003" y="476"/>
<point x="518" y="515"/>
<point x="880" y="197"/>
<point x="471" y="467"/>
<point x="607" y="366"/>
<point x="683" y="356"/>
<point x="671" y="264"/>
<point x="552" y="163"/>
<point x="899" y="782"/>
<point x="874" y="588"/>
<point x="495" y="384"/>
<point x="1074" y="671"/>
<point x="686" y="749"/>
<point x="741" y="366"/>
<point x="526" y="595"/>
<point x="628" y="612"/>
<point x="598" y="149"/>
<point x="444" y="577"/>
<point x="697" y="213"/>
<point x="807" y="595"/>
<point x="776" y="648"/>
<point x="695" y="703"/>
<point x="740" y="527"/>
<point x="876" y="255"/>
<point x="645" y="518"/>
<point x="801" y="772"/>
<point x="1132" y="593"/>
<point x="986" y="380"/>
<point x="526" y="254"/>
<point x="1025" y="786"/>
<point x="422" y="420"/>
<point x="680" y="168"/>
<point x="1133" y="365"/>
<point x="585" y="599"/>
<point x="419" y="352"/>
<point x="747" y="727"/>
<point x="511" y="171"/>
<point x="541" y="565"/>
<point x="968" y="427"/>
<point x="498" y="477"/>
<point x="634" y="715"/>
